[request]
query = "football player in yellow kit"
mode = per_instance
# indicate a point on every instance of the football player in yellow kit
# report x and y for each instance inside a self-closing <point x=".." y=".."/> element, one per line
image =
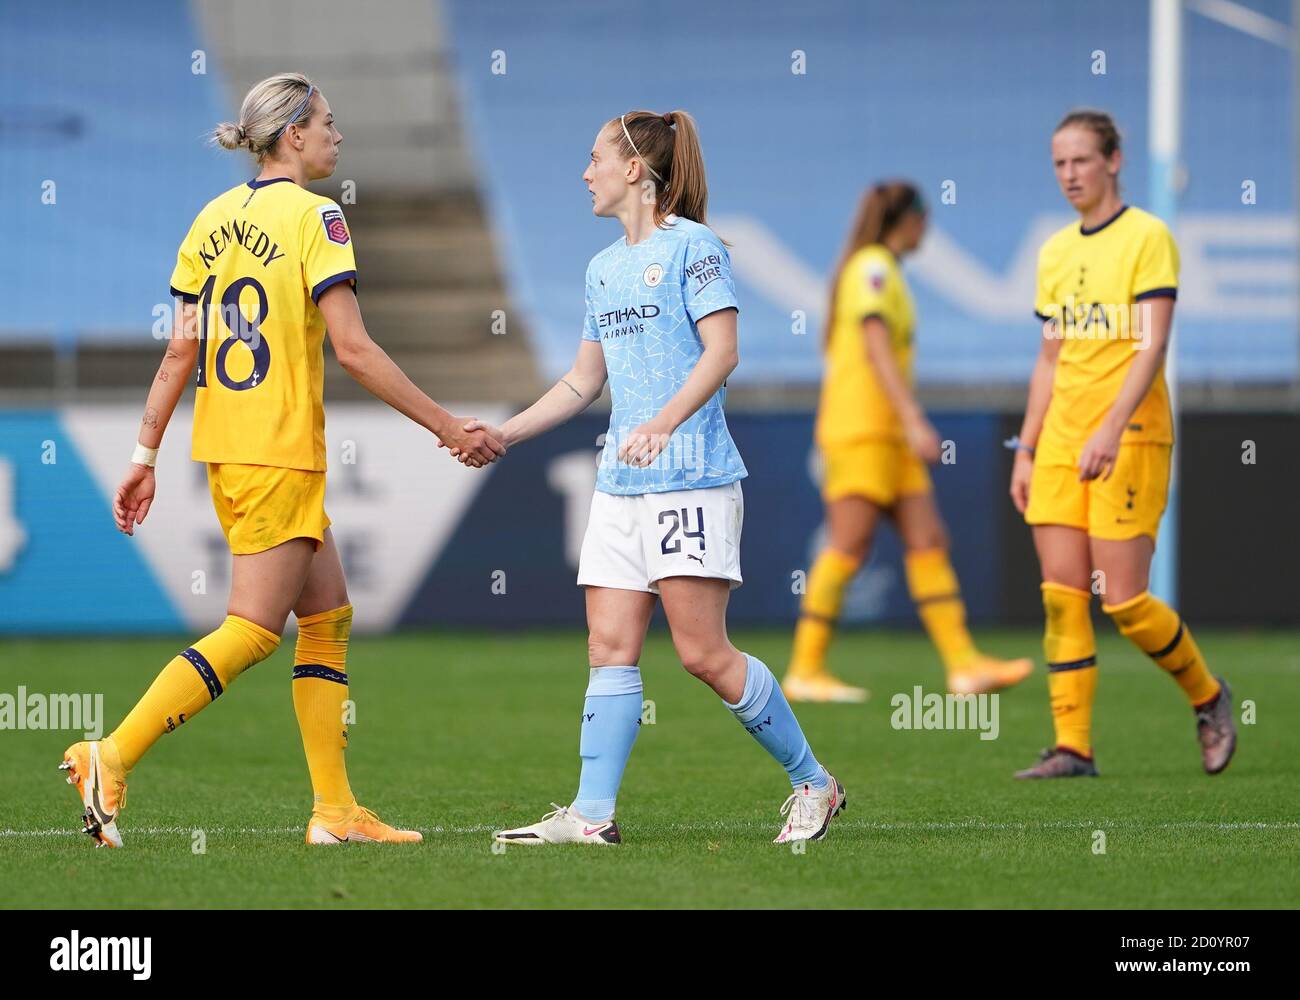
<point x="1091" y="472"/>
<point x="265" y="270"/>
<point x="876" y="441"/>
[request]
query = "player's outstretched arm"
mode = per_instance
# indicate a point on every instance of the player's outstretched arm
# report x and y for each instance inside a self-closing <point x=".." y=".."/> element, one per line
<point x="134" y="494"/>
<point x="1040" y="394"/>
<point x="577" y="389"/>
<point x="721" y="356"/>
<point x="370" y="365"/>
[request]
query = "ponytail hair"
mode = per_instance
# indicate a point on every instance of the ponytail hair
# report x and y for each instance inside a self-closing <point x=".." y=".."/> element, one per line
<point x="269" y="108"/>
<point x="881" y="208"/>
<point x="668" y="145"/>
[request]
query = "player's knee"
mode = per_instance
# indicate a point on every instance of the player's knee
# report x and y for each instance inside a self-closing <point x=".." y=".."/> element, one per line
<point x="855" y="549"/>
<point x="271" y="620"/>
<point x="607" y="651"/>
<point x="707" y="663"/>
<point x="926" y="539"/>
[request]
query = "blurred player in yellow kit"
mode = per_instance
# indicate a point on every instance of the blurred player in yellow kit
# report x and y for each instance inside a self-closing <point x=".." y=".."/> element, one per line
<point x="876" y="441"/>
<point x="1091" y="472"/>
<point x="265" y="269"/>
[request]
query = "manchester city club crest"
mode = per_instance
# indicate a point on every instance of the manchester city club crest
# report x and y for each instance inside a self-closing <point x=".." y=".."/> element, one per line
<point x="653" y="275"/>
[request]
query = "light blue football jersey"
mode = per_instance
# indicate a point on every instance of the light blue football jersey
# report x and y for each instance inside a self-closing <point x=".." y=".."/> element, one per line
<point x="643" y="302"/>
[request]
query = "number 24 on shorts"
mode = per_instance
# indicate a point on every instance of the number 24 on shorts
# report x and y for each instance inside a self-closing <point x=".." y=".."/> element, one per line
<point x="679" y="520"/>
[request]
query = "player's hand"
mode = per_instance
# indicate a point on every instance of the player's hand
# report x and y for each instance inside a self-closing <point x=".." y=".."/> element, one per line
<point x="475" y="443"/>
<point x="923" y="439"/>
<point x="1099" y="455"/>
<point x="645" y="443"/>
<point x="133" y="497"/>
<point x="1021" y="473"/>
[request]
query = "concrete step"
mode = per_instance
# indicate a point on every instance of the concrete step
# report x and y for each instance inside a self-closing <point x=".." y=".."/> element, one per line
<point x="429" y="318"/>
<point x="426" y="256"/>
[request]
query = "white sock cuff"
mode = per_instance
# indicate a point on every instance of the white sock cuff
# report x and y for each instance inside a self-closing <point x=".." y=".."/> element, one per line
<point x="606" y="682"/>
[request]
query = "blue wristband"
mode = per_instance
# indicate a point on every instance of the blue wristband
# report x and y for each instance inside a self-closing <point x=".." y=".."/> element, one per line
<point x="1015" y="444"/>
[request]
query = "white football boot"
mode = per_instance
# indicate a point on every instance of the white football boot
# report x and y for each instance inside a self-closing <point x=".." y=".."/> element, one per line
<point x="563" y="826"/>
<point x="809" y="812"/>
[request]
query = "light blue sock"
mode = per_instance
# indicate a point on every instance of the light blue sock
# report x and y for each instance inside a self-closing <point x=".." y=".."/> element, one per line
<point x="766" y="715"/>
<point x="611" y="718"/>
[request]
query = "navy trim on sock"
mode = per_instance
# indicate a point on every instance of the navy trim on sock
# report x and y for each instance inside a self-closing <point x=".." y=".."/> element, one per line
<point x="320" y="671"/>
<point x="1170" y="648"/>
<point x="1087" y="661"/>
<point x="205" y="670"/>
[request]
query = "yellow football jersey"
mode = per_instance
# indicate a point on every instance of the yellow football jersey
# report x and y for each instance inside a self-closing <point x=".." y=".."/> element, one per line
<point x="256" y="261"/>
<point x="853" y="405"/>
<point x="1093" y="282"/>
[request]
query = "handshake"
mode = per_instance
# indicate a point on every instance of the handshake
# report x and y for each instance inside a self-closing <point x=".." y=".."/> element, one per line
<point x="473" y="442"/>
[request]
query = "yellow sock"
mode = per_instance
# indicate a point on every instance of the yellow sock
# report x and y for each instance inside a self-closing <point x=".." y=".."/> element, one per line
<point x="1070" y="648"/>
<point x="827" y="581"/>
<point x="1156" y="629"/>
<point x="937" y="596"/>
<point x="320" y="687"/>
<point x="190" y="682"/>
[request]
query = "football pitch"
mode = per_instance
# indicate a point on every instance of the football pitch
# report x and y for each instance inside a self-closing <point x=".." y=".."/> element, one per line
<point x="460" y="734"/>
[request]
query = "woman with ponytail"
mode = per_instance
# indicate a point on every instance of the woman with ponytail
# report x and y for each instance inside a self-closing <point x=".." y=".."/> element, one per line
<point x="666" y="517"/>
<point x="876" y="441"/>
<point x="265" y="271"/>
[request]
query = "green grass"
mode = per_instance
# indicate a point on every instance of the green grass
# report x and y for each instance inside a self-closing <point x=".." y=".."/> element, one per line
<point x="460" y="734"/>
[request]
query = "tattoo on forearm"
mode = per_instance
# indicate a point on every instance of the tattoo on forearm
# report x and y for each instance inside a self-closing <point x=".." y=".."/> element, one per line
<point x="150" y="417"/>
<point x="572" y="389"/>
<point x="164" y="375"/>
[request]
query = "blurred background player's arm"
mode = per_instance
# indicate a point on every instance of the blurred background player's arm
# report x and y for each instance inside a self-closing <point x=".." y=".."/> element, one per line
<point x="134" y="494"/>
<point x="921" y="436"/>
<point x="721" y="356"/>
<point x="371" y="366"/>
<point x="1102" y="449"/>
<point x="1040" y="394"/>
<point x="577" y="389"/>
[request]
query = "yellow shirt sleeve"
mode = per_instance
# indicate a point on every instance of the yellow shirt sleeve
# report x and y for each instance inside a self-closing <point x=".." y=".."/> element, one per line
<point x="186" y="281"/>
<point x="1045" y="305"/>
<point x="327" y="256"/>
<point x="1157" y="266"/>
<point x="868" y="290"/>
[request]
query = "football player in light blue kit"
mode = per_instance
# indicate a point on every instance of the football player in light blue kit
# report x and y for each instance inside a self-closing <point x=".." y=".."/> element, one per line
<point x="666" y="516"/>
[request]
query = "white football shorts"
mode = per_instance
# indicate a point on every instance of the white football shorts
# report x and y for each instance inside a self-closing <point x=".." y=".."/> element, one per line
<point x="633" y="542"/>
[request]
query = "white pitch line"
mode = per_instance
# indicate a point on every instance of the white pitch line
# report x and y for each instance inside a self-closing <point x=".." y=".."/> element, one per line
<point x="734" y="825"/>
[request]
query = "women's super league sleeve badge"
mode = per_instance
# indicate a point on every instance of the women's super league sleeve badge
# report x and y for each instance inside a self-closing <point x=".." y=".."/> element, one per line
<point x="331" y="217"/>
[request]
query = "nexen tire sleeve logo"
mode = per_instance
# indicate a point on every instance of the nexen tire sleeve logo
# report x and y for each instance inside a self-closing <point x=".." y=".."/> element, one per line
<point x="705" y="271"/>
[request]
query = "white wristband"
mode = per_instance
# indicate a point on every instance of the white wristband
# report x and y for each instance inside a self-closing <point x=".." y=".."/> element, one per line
<point x="144" y="456"/>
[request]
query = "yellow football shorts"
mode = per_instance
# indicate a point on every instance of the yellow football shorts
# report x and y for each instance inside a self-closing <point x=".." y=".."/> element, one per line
<point x="262" y="506"/>
<point x="1126" y="505"/>
<point x="880" y="469"/>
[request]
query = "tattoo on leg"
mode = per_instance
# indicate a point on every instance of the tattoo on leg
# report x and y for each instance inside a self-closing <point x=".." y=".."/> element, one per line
<point x="572" y="389"/>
